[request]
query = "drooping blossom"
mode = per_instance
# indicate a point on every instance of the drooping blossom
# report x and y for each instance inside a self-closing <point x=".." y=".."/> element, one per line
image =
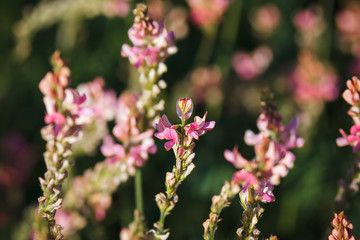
<point x="250" y="65"/>
<point x="265" y="19"/>
<point x="312" y="80"/>
<point x="152" y="43"/>
<point x="206" y="13"/>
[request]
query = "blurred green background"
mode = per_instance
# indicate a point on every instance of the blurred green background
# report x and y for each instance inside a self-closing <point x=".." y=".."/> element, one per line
<point x="305" y="198"/>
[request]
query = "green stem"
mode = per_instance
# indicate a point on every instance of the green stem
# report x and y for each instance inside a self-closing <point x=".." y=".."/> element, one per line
<point x="328" y="6"/>
<point x="228" y="37"/>
<point x="206" y="47"/>
<point x="138" y="192"/>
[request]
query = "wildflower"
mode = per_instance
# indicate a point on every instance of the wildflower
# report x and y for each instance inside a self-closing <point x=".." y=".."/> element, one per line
<point x="343" y="229"/>
<point x="199" y="127"/>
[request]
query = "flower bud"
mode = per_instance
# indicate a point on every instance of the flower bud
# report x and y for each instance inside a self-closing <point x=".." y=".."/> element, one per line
<point x="184" y="108"/>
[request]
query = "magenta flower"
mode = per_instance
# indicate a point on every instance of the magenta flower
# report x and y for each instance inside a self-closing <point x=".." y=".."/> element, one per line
<point x="264" y="193"/>
<point x="199" y="127"/>
<point x="166" y="131"/>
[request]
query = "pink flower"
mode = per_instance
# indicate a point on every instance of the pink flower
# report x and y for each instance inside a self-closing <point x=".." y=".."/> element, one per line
<point x="353" y="139"/>
<point x="113" y="152"/>
<point x="312" y="80"/>
<point x="184" y="108"/>
<point x="306" y="20"/>
<point x="236" y="158"/>
<point x="199" y="127"/>
<point x="169" y="134"/>
<point x="250" y="65"/>
<point x="266" y="19"/>
<point x="289" y="137"/>
<point x="205" y="13"/>
<point x="245" y="177"/>
<point x="351" y="95"/>
<point x="166" y="131"/>
<point x="152" y="43"/>
<point x="264" y="193"/>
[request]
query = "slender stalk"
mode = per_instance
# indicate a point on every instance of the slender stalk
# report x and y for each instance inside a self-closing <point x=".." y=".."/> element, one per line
<point x="328" y="6"/>
<point x="138" y="192"/>
<point x="228" y="37"/>
<point x="206" y="47"/>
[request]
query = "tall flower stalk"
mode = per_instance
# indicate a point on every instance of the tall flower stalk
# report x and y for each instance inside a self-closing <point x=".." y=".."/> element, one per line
<point x="256" y="179"/>
<point x="64" y="117"/>
<point x="152" y="44"/>
<point x="350" y="185"/>
<point x="181" y="139"/>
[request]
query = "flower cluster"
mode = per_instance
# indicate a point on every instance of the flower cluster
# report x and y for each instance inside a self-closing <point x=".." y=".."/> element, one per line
<point x="181" y="139"/>
<point x="102" y="106"/>
<point x="272" y="161"/>
<point x="349" y="186"/>
<point x="92" y="191"/>
<point x="343" y="229"/>
<point x="136" y="144"/>
<point x="351" y="96"/>
<point x="205" y="13"/>
<point x="152" y="45"/>
<point x="312" y="80"/>
<point x="64" y="118"/>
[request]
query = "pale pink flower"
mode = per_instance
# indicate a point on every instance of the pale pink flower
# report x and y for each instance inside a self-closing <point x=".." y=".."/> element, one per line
<point x="199" y="127"/>
<point x="205" y="13"/>
<point x="353" y="139"/>
<point x="250" y="65"/>
<point x="265" y="19"/>
<point x="113" y="152"/>
<point x="306" y="20"/>
<point x="116" y="8"/>
<point x="348" y="26"/>
<point x="236" y="158"/>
